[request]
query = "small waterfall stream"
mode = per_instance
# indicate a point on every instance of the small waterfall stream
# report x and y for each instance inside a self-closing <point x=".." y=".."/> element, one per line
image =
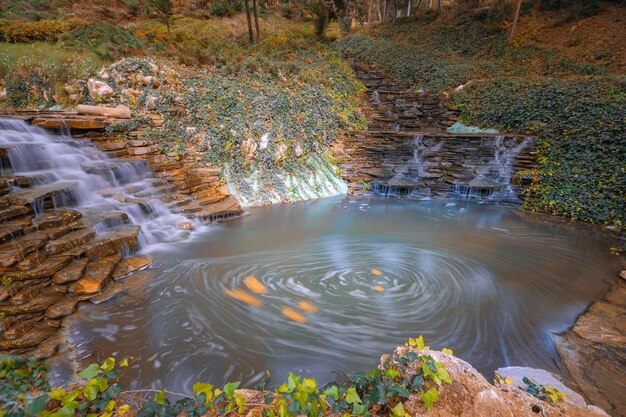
<point x="51" y="171"/>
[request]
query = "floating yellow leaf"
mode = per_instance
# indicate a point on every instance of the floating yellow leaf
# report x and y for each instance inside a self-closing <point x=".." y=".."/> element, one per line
<point x="508" y="380"/>
<point x="292" y="314"/>
<point x="254" y="285"/>
<point x="448" y="351"/>
<point x="308" y="307"/>
<point x="244" y="297"/>
<point x="376" y="272"/>
<point x="379" y="288"/>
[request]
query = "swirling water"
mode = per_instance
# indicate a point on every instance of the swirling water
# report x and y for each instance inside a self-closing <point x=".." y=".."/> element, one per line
<point x="483" y="280"/>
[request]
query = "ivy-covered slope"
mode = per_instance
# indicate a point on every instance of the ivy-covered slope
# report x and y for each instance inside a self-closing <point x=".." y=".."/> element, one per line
<point x="575" y="108"/>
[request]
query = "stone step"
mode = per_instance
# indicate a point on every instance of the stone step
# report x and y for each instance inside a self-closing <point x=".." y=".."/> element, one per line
<point x="117" y="240"/>
<point x="69" y="241"/>
<point x="40" y="193"/>
<point x="11" y="212"/>
<point x="159" y="190"/>
<point x="15" y="250"/>
<point x="227" y="208"/>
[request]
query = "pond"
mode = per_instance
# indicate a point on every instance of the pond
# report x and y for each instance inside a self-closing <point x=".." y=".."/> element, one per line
<point x="333" y="284"/>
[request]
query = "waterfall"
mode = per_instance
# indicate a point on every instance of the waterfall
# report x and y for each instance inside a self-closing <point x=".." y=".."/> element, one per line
<point x="51" y="171"/>
<point x="493" y="181"/>
<point x="416" y="168"/>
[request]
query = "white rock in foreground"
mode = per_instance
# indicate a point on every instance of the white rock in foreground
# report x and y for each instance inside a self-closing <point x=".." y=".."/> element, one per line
<point x="470" y="395"/>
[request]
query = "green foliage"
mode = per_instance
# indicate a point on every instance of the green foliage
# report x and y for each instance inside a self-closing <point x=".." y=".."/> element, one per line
<point x="382" y="392"/>
<point x="225" y="8"/>
<point x="580" y="128"/>
<point x="544" y="392"/>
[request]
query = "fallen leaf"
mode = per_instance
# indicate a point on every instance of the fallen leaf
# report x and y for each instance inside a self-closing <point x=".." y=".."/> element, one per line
<point x="244" y="297"/>
<point x="254" y="285"/>
<point x="376" y="272"/>
<point x="379" y="288"/>
<point x="308" y="307"/>
<point x="293" y="315"/>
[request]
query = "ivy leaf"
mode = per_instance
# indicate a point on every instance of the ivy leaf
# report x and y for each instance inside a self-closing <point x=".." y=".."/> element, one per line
<point x="448" y="351"/>
<point x="123" y="409"/>
<point x="37" y="405"/>
<point x="359" y="409"/>
<point x="332" y="392"/>
<point x="230" y="388"/>
<point x="124" y="363"/>
<point x="352" y="397"/>
<point x="378" y="395"/>
<point x="57" y="394"/>
<point x="108" y="365"/>
<point x="392" y="373"/>
<point x="418" y="382"/>
<point x="398" y="411"/>
<point x="411" y="356"/>
<point x="91" y="390"/>
<point x="89" y="372"/>
<point x="160" y="397"/>
<point x="206" y="389"/>
<point x="430" y="397"/>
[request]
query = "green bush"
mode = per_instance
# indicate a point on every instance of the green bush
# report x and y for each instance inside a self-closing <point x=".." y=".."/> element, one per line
<point x="226" y="8"/>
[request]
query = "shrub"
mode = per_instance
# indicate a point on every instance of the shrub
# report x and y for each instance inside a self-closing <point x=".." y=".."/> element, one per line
<point x="28" y="32"/>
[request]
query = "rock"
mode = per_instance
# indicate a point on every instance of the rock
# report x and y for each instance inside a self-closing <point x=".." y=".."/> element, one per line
<point x="248" y="148"/>
<point x="130" y="265"/>
<point x="56" y="232"/>
<point x="603" y="323"/>
<point x="18" y="329"/>
<point x="281" y="152"/>
<point x="98" y="89"/>
<point x="47" y="348"/>
<point x="75" y="87"/>
<point x="111" y="290"/>
<point x="470" y="395"/>
<point x="16" y="249"/>
<point x="146" y="150"/>
<point x="119" y="112"/>
<point x="598" y="369"/>
<point x="96" y="274"/>
<point x="3" y="93"/>
<point x="13" y="211"/>
<point x="224" y="189"/>
<point x="55" y="218"/>
<point x="299" y="151"/>
<point x="63" y="308"/>
<point x="32" y="338"/>
<point x="623" y="274"/>
<point x="48" y="268"/>
<point x="151" y="102"/>
<point x="71" y="272"/>
<point x="36" y="305"/>
<point x="539" y="376"/>
<point x="118" y="240"/>
<point x="69" y="241"/>
<point x="28" y="292"/>
<point x="31" y="261"/>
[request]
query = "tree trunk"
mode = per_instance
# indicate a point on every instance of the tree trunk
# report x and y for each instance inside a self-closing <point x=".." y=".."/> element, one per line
<point x="438" y="6"/>
<point x="431" y="4"/>
<point x="417" y="8"/>
<point x="250" y="33"/>
<point x="395" y="10"/>
<point x="536" y="7"/>
<point x="380" y="16"/>
<point x="385" y="9"/>
<point x="515" y="18"/>
<point x="256" y="21"/>
<point x="408" y="9"/>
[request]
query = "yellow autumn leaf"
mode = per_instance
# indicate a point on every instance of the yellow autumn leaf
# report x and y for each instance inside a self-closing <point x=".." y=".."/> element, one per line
<point x="508" y="380"/>
<point x="376" y="272"/>
<point x="448" y="351"/>
<point x="292" y="314"/>
<point x="254" y="285"/>
<point x="379" y="288"/>
<point x="307" y="307"/>
<point x="244" y="297"/>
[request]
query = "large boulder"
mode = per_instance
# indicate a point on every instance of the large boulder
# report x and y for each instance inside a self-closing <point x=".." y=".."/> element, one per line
<point x="471" y="395"/>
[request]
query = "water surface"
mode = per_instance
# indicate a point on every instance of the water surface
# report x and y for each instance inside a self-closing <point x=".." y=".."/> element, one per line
<point x="479" y="279"/>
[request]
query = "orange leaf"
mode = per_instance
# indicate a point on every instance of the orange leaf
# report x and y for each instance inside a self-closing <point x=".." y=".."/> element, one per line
<point x="244" y="297"/>
<point x="254" y="285"/>
<point x="308" y="307"/>
<point x="293" y="315"/>
<point x="376" y="272"/>
<point x="379" y="288"/>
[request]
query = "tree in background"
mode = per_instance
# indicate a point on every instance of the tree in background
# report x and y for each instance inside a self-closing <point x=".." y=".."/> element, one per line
<point x="165" y="10"/>
<point x="249" y="18"/>
<point x="256" y="21"/>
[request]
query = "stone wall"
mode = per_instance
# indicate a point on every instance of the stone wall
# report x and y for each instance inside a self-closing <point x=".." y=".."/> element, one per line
<point x="407" y="149"/>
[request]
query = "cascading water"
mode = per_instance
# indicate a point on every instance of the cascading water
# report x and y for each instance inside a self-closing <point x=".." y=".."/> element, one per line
<point x="409" y="176"/>
<point x="493" y="181"/>
<point x="60" y="171"/>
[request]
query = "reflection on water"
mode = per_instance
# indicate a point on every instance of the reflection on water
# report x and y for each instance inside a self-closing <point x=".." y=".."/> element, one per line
<point x="339" y="282"/>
